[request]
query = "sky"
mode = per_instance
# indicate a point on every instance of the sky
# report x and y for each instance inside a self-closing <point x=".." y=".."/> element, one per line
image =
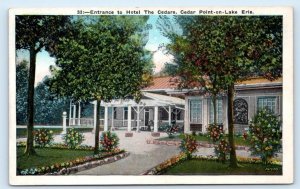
<point x="44" y="61"/>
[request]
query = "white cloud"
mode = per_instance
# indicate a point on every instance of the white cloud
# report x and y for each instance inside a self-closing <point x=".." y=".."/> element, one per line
<point x="159" y="59"/>
<point x="43" y="62"/>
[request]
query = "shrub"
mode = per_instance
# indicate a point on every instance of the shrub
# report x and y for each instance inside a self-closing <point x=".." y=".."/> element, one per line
<point x="264" y="135"/>
<point x="194" y="133"/>
<point x="43" y="137"/>
<point x="172" y="130"/>
<point x="222" y="150"/>
<point x="108" y="141"/>
<point x="163" y="127"/>
<point x="188" y="145"/>
<point x="215" y="133"/>
<point x="73" y="138"/>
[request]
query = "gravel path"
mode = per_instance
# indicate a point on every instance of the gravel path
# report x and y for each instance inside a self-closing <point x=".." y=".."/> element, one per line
<point x="134" y="164"/>
<point x="142" y="156"/>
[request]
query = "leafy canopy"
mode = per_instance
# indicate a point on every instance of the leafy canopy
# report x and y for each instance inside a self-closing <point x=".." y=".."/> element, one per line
<point x="106" y="60"/>
<point x="225" y="49"/>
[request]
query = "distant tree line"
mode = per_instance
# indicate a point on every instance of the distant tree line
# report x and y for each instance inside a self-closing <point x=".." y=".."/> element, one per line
<point x="48" y="107"/>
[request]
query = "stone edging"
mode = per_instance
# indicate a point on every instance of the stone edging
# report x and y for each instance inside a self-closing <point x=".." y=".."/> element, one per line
<point x="177" y="143"/>
<point x="91" y="164"/>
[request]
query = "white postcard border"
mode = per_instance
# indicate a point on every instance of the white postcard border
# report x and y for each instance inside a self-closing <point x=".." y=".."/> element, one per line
<point x="288" y="153"/>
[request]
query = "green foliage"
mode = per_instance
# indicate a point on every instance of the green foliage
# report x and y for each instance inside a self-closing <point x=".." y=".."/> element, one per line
<point x="109" y="141"/>
<point x="214" y="132"/>
<point x="21" y="91"/>
<point x="43" y="137"/>
<point x="73" y="138"/>
<point x="105" y="60"/>
<point x="48" y="107"/>
<point x="41" y="31"/>
<point x="265" y="135"/>
<point x="188" y="145"/>
<point x="35" y="33"/>
<point x="172" y="130"/>
<point x="222" y="150"/>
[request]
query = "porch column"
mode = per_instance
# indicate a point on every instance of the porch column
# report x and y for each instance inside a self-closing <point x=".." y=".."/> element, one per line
<point x="138" y="118"/>
<point x="79" y="112"/>
<point x="64" y="122"/>
<point x="155" y="118"/>
<point x="106" y="118"/>
<point x="70" y="114"/>
<point x="129" y="119"/>
<point x="170" y="115"/>
<point x="95" y="114"/>
<point x="74" y="114"/>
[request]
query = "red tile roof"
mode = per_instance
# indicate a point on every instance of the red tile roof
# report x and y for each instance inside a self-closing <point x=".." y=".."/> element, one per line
<point x="168" y="82"/>
<point x="164" y="82"/>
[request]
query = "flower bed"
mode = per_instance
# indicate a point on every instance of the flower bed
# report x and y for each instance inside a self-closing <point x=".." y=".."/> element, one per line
<point x="175" y="160"/>
<point x="76" y="165"/>
<point x="177" y="143"/>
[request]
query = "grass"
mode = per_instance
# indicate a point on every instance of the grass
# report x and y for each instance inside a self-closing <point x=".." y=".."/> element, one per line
<point x="239" y="140"/>
<point x="48" y="156"/>
<point x="22" y="132"/>
<point x="201" y="167"/>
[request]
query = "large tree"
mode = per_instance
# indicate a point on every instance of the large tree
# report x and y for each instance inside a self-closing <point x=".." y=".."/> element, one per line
<point x="35" y="33"/>
<point x="229" y="49"/>
<point x="105" y="61"/>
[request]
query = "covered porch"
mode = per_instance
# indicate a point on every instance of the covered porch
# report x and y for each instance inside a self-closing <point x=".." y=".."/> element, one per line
<point x="152" y="111"/>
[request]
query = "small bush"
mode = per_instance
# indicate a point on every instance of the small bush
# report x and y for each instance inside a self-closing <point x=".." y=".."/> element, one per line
<point x="42" y="137"/>
<point x="172" y="130"/>
<point x="163" y="127"/>
<point x="188" y="145"/>
<point x="215" y="133"/>
<point x="194" y="133"/>
<point x="222" y="150"/>
<point x="264" y="135"/>
<point x="109" y="141"/>
<point x="73" y="138"/>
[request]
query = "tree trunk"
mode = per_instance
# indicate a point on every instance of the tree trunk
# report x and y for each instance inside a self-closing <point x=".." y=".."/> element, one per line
<point x="96" y="150"/>
<point x="233" y="160"/>
<point x="30" y="104"/>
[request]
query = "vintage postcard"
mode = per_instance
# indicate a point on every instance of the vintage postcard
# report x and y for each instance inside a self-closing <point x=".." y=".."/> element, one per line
<point x="115" y="96"/>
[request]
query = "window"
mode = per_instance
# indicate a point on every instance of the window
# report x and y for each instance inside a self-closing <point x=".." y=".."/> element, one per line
<point x="177" y="114"/>
<point x="132" y="114"/>
<point x="164" y="115"/>
<point x="219" y="106"/>
<point x="196" y="111"/>
<point x="240" y="111"/>
<point x="115" y="112"/>
<point x="102" y="112"/>
<point x="125" y="115"/>
<point x="267" y="102"/>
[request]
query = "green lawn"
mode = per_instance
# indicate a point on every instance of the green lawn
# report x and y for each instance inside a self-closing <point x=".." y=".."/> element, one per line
<point x="48" y="156"/>
<point x="203" y="138"/>
<point x="201" y="167"/>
